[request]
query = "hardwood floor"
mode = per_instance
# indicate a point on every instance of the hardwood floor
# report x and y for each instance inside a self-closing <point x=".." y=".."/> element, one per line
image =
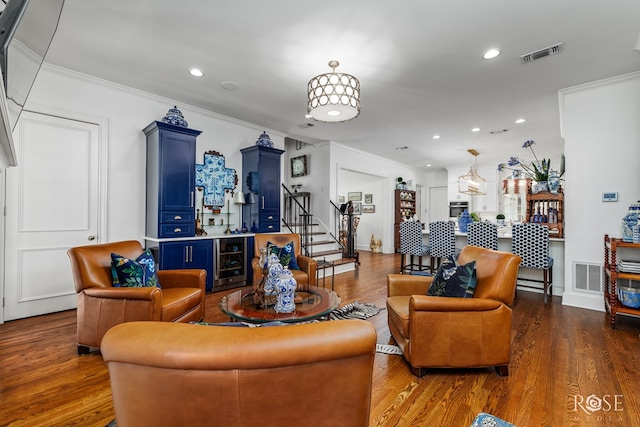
<point x="560" y="356"/>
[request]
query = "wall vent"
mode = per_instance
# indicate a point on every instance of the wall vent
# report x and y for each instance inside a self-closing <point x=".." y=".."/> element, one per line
<point x="541" y="53"/>
<point x="587" y="277"/>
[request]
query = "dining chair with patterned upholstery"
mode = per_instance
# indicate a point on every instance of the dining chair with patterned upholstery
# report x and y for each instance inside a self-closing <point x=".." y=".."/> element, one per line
<point x="483" y="235"/>
<point x="411" y="244"/>
<point x="531" y="242"/>
<point x="442" y="242"/>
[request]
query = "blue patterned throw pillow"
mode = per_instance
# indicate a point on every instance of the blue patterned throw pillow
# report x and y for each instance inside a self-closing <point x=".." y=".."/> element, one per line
<point x="286" y="254"/>
<point x="454" y="280"/>
<point x="137" y="273"/>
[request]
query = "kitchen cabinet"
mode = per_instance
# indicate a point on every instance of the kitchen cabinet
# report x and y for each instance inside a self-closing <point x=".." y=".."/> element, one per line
<point x="612" y="275"/>
<point x="489" y="201"/>
<point x="185" y="254"/>
<point x="171" y="156"/>
<point x="452" y="186"/>
<point x="262" y="188"/>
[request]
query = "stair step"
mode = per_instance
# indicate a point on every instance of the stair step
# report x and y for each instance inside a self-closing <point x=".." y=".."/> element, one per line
<point x="322" y="242"/>
<point x="326" y="253"/>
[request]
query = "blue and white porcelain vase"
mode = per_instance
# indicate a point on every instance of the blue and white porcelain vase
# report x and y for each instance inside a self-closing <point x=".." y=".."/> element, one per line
<point x="629" y="221"/>
<point x="286" y="289"/>
<point x="175" y="117"/>
<point x="274" y="269"/>
<point x="554" y="182"/>
<point x="264" y="140"/>
<point x="540" y="187"/>
<point x="464" y="220"/>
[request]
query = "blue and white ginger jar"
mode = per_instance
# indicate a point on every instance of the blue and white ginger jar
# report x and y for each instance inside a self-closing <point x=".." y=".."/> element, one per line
<point x="464" y="220"/>
<point x="274" y="269"/>
<point x="286" y="288"/>
<point x="175" y="117"/>
<point x="264" y="140"/>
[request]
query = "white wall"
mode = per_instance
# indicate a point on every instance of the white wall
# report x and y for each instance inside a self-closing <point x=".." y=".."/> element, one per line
<point x="316" y="181"/>
<point x="128" y="111"/>
<point x="601" y="127"/>
<point x="370" y="223"/>
<point x="345" y="158"/>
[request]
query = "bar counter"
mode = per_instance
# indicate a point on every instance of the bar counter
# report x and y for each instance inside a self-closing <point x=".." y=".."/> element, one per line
<point x="556" y="251"/>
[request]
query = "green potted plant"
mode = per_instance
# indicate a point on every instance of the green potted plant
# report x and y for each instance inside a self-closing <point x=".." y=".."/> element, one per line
<point x="500" y="219"/>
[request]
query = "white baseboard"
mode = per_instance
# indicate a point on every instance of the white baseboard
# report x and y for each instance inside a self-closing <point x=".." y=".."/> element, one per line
<point x="582" y="300"/>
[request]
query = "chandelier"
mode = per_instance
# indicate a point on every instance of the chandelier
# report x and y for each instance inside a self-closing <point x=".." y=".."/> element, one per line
<point x="471" y="182"/>
<point x="333" y="97"/>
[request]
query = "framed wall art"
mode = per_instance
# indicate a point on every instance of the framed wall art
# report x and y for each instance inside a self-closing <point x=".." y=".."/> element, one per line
<point x="299" y="166"/>
<point x="355" y="196"/>
<point x="357" y="208"/>
<point x="368" y="208"/>
<point x="368" y="198"/>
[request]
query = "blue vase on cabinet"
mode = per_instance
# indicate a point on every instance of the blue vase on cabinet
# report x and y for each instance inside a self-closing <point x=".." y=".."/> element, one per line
<point x="464" y="220"/>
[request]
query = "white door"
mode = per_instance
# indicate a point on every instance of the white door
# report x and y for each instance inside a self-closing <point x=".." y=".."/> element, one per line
<point x="52" y="200"/>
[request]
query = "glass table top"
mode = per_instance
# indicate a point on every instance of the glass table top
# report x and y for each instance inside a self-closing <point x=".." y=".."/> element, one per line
<point x="311" y="304"/>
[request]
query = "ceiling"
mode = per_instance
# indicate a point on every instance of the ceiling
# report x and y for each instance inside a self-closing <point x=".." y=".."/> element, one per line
<point x="419" y="63"/>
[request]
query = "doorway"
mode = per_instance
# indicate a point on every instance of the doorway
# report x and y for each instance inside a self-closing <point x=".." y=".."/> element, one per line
<point x="53" y="202"/>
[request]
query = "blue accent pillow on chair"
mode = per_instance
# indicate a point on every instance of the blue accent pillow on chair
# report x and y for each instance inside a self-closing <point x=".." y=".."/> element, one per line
<point x="454" y="280"/>
<point x="286" y="255"/>
<point x="137" y="273"/>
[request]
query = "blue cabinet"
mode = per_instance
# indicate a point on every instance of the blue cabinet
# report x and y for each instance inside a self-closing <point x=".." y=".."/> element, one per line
<point x="261" y="185"/>
<point x="171" y="159"/>
<point x="188" y="254"/>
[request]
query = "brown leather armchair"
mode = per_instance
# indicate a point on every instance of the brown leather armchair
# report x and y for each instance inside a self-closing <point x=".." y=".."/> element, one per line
<point x="446" y="332"/>
<point x="102" y="306"/>
<point x="306" y="276"/>
<point x="167" y="374"/>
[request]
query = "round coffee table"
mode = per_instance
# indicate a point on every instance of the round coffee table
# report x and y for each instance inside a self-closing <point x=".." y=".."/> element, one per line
<point x="310" y="304"/>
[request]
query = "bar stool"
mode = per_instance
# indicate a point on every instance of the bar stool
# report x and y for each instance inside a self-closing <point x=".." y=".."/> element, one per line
<point x="483" y="234"/>
<point x="531" y="242"/>
<point x="411" y="244"/>
<point x="442" y="241"/>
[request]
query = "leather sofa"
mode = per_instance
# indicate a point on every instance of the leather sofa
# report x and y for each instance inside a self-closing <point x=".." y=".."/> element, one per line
<point x="168" y="374"/>
<point x="448" y="332"/>
<point x="102" y="306"/>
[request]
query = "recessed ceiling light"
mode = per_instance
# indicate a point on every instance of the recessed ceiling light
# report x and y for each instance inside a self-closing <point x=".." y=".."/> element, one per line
<point x="436" y="136"/>
<point x="428" y="165"/>
<point x="520" y="121"/>
<point x="491" y="53"/>
<point x="196" y="72"/>
<point x="475" y="130"/>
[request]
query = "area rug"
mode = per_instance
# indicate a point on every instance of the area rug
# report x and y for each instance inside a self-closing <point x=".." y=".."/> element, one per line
<point x="355" y="310"/>
<point x="388" y="349"/>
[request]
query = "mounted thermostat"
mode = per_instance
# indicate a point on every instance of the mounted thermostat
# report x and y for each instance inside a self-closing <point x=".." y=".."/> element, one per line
<point x="610" y="197"/>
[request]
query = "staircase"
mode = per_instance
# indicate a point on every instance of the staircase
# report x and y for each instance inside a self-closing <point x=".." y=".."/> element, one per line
<point x="317" y="241"/>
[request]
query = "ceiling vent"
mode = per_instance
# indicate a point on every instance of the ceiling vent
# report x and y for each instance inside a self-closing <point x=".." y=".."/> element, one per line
<point x="496" y="132"/>
<point x="306" y="125"/>
<point x="547" y="51"/>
